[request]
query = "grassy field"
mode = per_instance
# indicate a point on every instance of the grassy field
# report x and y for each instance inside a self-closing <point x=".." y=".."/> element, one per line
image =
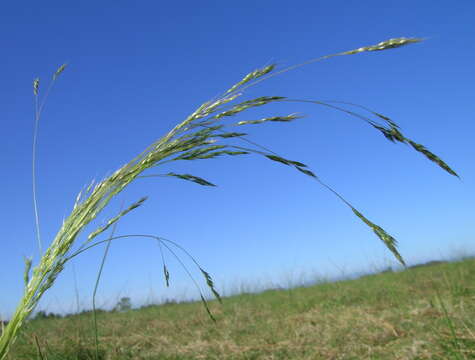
<point x="425" y="312"/>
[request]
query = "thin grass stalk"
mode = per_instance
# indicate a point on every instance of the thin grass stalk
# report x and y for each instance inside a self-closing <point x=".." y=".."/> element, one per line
<point x="162" y="243"/>
<point x="96" y="287"/>
<point x="451" y="326"/>
<point x="76" y="289"/>
<point x="38" y="348"/>
<point x="36" y="84"/>
<point x="39" y="106"/>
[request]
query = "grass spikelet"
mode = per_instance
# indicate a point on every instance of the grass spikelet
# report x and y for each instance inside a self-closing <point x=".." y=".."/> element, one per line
<point x="205" y="303"/>
<point x="115" y="219"/>
<point x="393" y="134"/>
<point x="231" y="135"/>
<point x="306" y="172"/>
<point x="166" y="275"/>
<point x="388" y="120"/>
<point x="384" y="45"/>
<point x="387" y="239"/>
<point x="285" y="161"/>
<point x="262" y="100"/>
<point x="59" y="71"/>
<point x="78" y="200"/>
<point x="192" y="178"/>
<point x="199" y="153"/>
<point x="251" y="76"/>
<point x="224" y="152"/>
<point x="36" y="86"/>
<point x="431" y="156"/>
<point x="26" y="274"/>
<point x="212" y="106"/>
<point x="247" y="105"/>
<point x="210" y="283"/>
<point x="287" y="118"/>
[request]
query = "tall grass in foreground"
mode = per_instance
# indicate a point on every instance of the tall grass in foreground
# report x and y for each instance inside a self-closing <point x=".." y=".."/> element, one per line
<point x="202" y="135"/>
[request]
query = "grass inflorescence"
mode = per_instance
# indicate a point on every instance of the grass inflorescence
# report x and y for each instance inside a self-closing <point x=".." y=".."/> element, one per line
<point x="202" y="135"/>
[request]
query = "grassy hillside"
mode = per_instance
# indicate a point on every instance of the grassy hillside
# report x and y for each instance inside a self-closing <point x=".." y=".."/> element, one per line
<point x="426" y="312"/>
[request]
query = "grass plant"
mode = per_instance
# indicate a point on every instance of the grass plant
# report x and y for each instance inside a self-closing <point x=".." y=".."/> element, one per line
<point x="410" y="314"/>
<point x="204" y="134"/>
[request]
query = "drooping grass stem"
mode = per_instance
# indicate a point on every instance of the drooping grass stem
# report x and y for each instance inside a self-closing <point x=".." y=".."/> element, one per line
<point x="199" y="136"/>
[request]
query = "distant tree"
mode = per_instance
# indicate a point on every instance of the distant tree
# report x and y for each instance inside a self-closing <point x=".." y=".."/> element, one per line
<point x="44" y="315"/>
<point x="124" y="304"/>
<point x="40" y="315"/>
<point x="387" y="270"/>
<point x="429" y="263"/>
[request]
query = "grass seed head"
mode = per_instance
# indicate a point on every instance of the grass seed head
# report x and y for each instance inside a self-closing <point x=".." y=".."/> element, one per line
<point x="36" y="85"/>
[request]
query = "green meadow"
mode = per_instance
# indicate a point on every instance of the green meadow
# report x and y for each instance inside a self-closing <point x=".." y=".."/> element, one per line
<point x="423" y="312"/>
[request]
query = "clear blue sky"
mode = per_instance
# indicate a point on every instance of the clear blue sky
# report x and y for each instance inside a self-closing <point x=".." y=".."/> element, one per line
<point x="138" y="68"/>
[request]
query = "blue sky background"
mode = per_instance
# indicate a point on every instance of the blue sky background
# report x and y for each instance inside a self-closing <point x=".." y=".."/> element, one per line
<point x="138" y="68"/>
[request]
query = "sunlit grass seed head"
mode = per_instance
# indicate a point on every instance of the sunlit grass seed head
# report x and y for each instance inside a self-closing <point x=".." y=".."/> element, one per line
<point x="202" y="135"/>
